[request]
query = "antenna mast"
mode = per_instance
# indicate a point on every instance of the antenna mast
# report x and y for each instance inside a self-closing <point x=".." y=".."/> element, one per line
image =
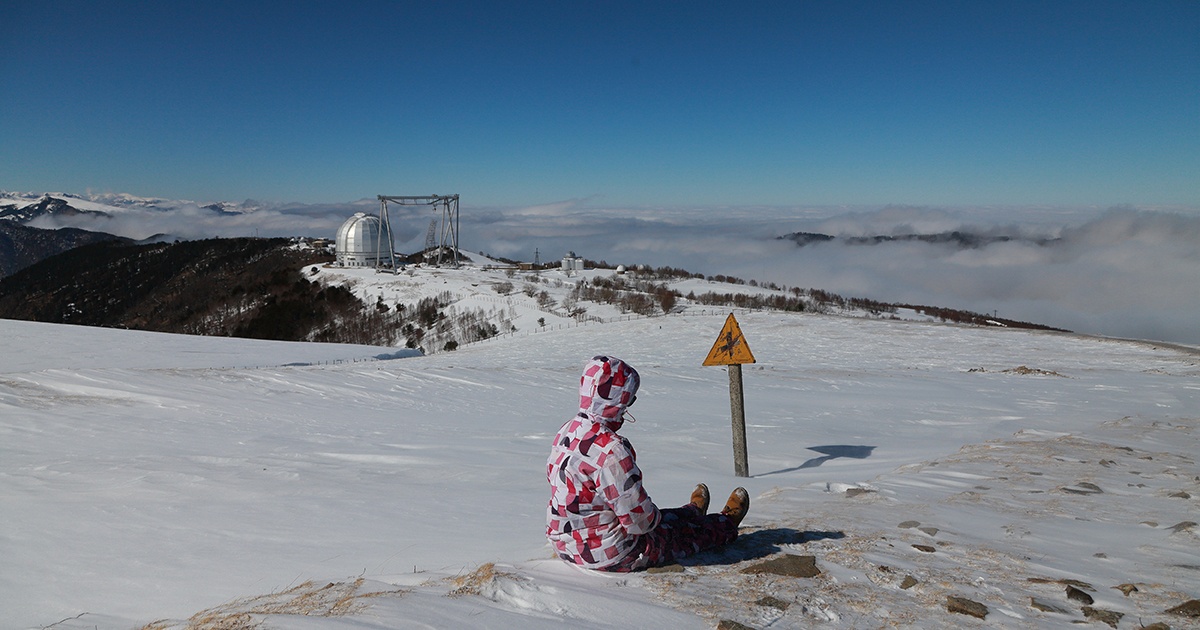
<point x="430" y="238"/>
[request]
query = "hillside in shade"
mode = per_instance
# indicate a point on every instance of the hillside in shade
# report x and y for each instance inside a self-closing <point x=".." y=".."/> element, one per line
<point x="22" y="246"/>
<point x="223" y="287"/>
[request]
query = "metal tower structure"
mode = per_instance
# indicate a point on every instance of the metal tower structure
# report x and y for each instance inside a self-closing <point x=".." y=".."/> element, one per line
<point x="446" y="205"/>
<point x="431" y="236"/>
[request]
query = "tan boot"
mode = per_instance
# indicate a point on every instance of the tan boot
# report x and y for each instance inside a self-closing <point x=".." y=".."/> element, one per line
<point x="700" y="498"/>
<point x="737" y="506"/>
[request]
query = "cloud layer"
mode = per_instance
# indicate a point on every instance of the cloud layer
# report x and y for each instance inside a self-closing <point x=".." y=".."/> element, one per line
<point x="1121" y="272"/>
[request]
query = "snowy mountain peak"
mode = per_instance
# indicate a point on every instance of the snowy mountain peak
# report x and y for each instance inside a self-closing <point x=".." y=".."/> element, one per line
<point x="47" y="205"/>
<point x="126" y="200"/>
<point x="26" y="206"/>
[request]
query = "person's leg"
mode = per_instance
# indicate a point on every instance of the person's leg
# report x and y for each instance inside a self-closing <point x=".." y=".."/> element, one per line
<point x="683" y="532"/>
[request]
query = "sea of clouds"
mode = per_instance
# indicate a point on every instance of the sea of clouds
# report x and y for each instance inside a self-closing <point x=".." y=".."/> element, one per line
<point x="1122" y="271"/>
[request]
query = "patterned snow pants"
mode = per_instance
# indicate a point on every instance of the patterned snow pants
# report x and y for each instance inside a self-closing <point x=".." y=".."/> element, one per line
<point x="681" y="532"/>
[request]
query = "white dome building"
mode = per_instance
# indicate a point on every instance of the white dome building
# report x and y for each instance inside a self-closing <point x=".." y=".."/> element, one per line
<point x="358" y="243"/>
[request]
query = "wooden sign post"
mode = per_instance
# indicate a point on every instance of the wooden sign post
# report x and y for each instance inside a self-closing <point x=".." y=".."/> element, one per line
<point x="732" y="350"/>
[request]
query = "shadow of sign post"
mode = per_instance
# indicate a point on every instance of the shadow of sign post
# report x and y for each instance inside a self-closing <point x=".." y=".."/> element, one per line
<point x="829" y="452"/>
<point x="732" y="350"/>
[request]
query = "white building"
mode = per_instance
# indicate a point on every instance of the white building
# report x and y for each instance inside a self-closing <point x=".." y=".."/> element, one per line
<point x="358" y="243"/>
<point x="571" y="262"/>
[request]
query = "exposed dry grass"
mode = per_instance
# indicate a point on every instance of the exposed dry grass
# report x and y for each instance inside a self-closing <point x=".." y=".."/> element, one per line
<point x="473" y="582"/>
<point x="330" y="600"/>
<point x="1021" y="369"/>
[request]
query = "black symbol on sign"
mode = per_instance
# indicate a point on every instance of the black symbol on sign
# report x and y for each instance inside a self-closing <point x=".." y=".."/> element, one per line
<point x="731" y="343"/>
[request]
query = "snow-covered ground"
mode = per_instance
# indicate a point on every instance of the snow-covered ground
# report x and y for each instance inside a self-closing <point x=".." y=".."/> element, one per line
<point x="147" y="477"/>
<point x="511" y="298"/>
<point x="506" y="296"/>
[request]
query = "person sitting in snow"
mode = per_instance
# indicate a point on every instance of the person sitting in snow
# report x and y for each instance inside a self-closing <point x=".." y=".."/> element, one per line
<point x="600" y="516"/>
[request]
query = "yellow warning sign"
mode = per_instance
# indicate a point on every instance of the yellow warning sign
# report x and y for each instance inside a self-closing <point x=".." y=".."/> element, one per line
<point x="731" y="347"/>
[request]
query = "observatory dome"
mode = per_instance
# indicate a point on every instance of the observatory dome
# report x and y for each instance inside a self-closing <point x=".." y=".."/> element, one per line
<point x="358" y="243"/>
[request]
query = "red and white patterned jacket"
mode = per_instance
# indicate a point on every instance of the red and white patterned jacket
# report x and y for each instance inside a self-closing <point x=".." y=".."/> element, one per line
<point x="598" y="507"/>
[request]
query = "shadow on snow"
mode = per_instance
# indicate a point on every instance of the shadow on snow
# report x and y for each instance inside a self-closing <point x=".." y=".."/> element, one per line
<point x="833" y="451"/>
<point x="758" y="544"/>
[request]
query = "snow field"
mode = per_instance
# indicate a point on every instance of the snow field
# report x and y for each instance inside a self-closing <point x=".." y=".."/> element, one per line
<point x="147" y="477"/>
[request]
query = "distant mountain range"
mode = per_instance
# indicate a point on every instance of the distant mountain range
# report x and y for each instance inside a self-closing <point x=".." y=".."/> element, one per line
<point x="68" y="209"/>
<point x="23" y="244"/>
<point x="42" y="207"/>
<point x="27" y="207"/>
<point x="20" y="248"/>
<point x="956" y="238"/>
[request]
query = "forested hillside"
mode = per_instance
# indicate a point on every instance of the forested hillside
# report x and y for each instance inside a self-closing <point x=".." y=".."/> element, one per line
<point x="22" y="246"/>
<point x="241" y="287"/>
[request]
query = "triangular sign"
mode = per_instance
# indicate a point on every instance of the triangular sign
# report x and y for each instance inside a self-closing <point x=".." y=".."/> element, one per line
<point x="731" y="347"/>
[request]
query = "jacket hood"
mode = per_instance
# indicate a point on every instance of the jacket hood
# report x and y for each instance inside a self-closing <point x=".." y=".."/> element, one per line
<point x="606" y="389"/>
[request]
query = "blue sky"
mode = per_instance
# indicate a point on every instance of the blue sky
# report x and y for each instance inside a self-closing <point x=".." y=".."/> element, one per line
<point x="614" y="103"/>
